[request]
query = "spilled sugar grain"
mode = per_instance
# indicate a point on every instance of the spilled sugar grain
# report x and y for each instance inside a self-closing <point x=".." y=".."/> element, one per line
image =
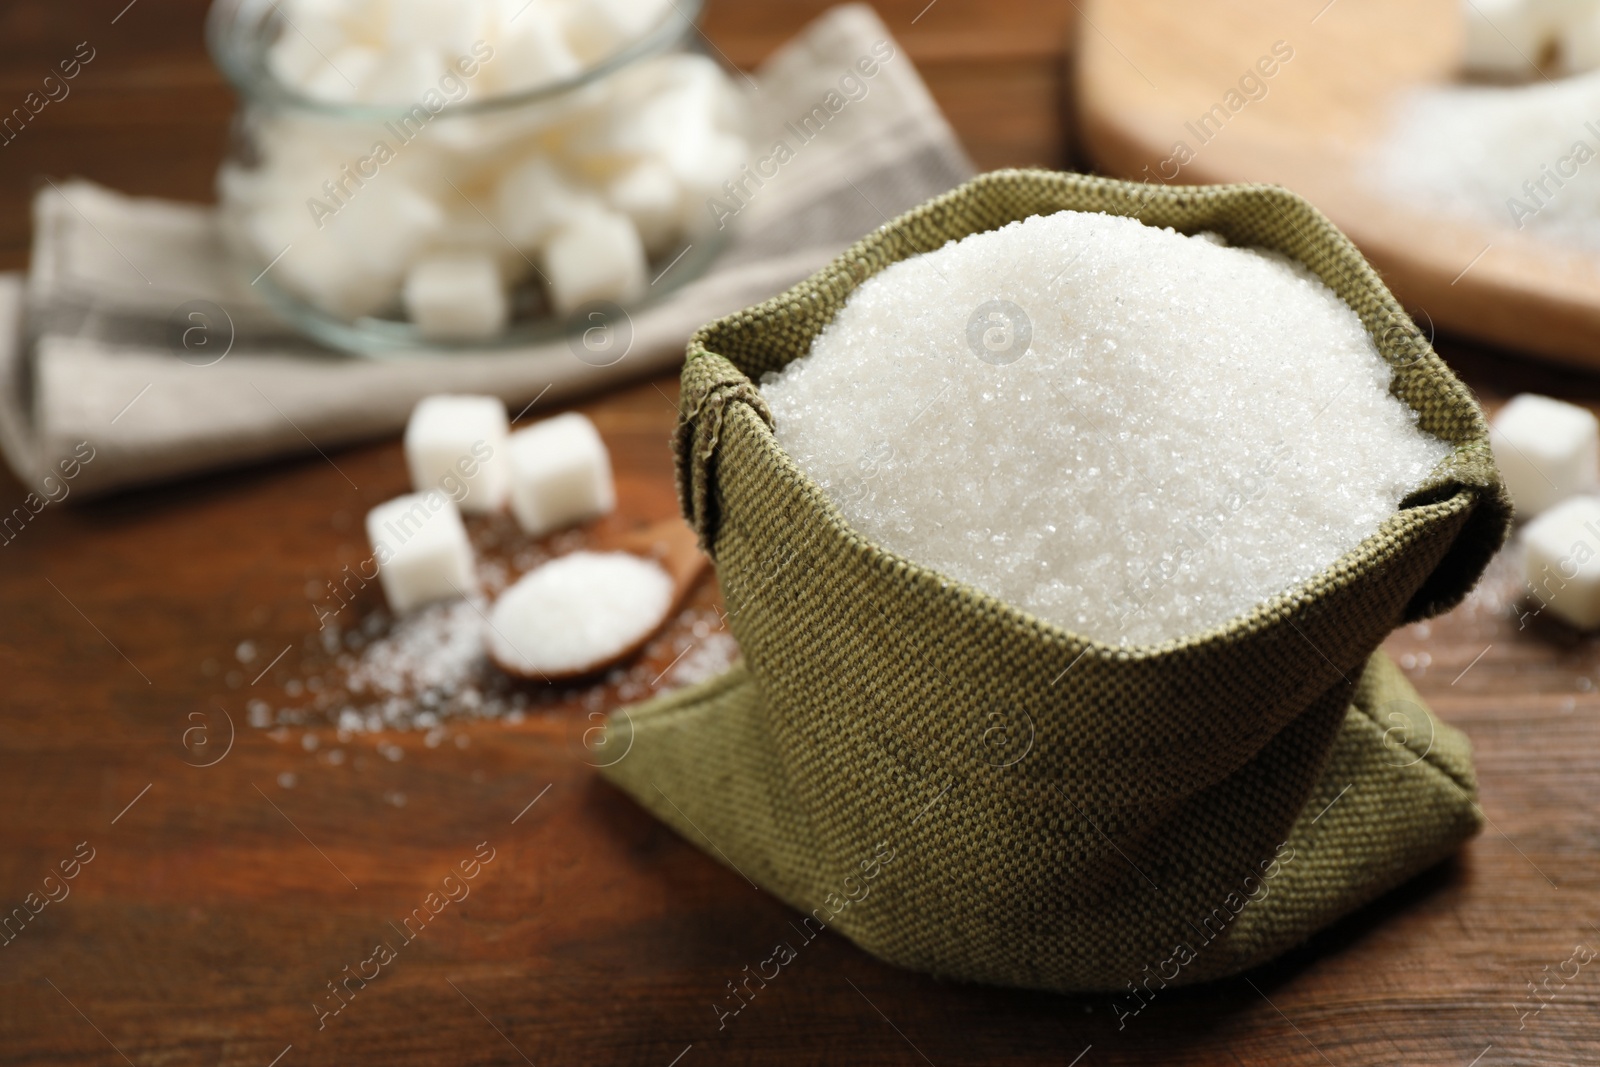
<point x="1513" y="157"/>
<point x="428" y="671"/>
<point x="1131" y="433"/>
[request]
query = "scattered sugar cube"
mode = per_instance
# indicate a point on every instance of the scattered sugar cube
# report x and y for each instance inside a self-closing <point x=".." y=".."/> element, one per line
<point x="1547" y="450"/>
<point x="456" y="297"/>
<point x="1561" y="561"/>
<point x="457" y="444"/>
<point x="422" y="550"/>
<point x="595" y="254"/>
<point x="560" y="474"/>
<point x="577" y="614"/>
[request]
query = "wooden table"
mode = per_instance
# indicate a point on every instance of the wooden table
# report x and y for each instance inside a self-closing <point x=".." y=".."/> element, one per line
<point x="220" y="900"/>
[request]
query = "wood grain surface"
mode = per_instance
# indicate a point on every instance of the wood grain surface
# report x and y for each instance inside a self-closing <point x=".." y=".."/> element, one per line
<point x="221" y="900"/>
<point x="1152" y="71"/>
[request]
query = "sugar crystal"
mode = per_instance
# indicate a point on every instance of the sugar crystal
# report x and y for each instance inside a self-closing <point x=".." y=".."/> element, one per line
<point x="1128" y="432"/>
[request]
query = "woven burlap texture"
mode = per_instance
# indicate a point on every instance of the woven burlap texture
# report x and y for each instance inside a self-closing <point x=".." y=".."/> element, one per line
<point x="1062" y="814"/>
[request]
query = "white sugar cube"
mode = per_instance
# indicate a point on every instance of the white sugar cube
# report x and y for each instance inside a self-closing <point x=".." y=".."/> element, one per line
<point x="481" y="142"/>
<point x="530" y="52"/>
<point x="1547" y="450"/>
<point x="422" y="550"/>
<point x="457" y="444"/>
<point x="456" y="297"/>
<point x="560" y="474"/>
<point x="598" y="28"/>
<point x="354" y="264"/>
<point x="307" y="38"/>
<point x="595" y="254"/>
<point x="341" y="78"/>
<point x="703" y="173"/>
<point x="403" y="74"/>
<point x="310" y="264"/>
<point x="1561" y="561"/>
<point x="530" y="199"/>
<point x="301" y="152"/>
<point x="466" y="232"/>
<point x="587" y="187"/>
<point x="295" y="58"/>
<point x="649" y="195"/>
<point x="385" y="223"/>
<point x="697" y="84"/>
<point x="472" y="25"/>
<point x="429" y="21"/>
<point x="332" y="282"/>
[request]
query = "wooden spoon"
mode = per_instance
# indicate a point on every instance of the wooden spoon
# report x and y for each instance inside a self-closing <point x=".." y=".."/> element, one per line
<point x="669" y="545"/>
<point x="672" y="545"/>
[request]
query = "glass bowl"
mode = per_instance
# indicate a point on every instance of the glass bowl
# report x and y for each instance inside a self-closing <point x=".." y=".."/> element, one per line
<point x="462" y="209"/>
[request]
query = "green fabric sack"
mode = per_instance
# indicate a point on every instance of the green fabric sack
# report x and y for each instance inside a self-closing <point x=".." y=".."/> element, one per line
<point x="963" y="789"/>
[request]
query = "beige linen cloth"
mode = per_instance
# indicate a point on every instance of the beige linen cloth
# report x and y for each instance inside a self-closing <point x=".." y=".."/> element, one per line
<point x="84" y="347"/>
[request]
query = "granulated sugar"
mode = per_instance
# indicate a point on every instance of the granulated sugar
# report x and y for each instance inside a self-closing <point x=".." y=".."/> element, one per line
<point x="1134" y="434"/>
<point x="368" y="674"/>
<point x="1521" y="158"/>
<point x="578" y="613"/>
<point x="436" y="650"/>
<point x="709" y="655"/>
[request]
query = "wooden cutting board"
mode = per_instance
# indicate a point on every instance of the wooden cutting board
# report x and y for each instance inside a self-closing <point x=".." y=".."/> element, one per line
<point x="1148" y="70"/>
